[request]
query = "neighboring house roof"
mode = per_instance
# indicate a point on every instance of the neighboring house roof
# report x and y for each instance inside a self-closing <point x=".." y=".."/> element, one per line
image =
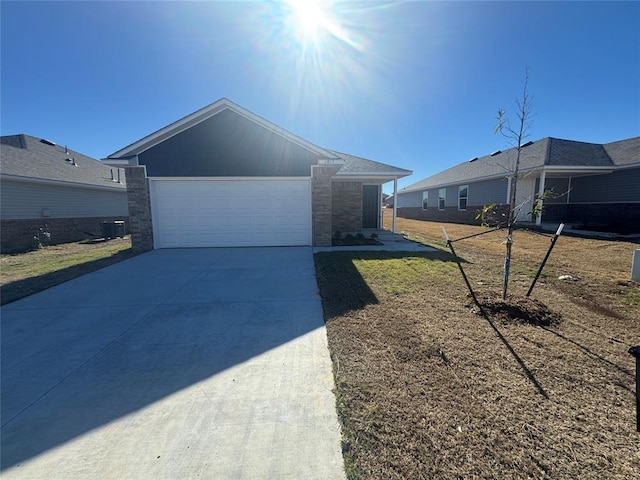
<point x="624" y="152"/>
<point x="28" y="158"/>
<point x="548" y="153"/>
<point x="351" y="165"/>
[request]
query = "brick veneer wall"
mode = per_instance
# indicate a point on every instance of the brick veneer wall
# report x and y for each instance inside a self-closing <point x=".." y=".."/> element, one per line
<point x="139" y="202"/>
<point x="321" y="204"/>
<point x="346" y="207"/>
<point x="449" y="214"/>
<point x="16" y="235"/>
<point x="614" y="215"/>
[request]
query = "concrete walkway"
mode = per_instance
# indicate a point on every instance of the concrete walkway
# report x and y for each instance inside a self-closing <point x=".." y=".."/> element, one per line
<point x="176" y="364"/>
<point x="391" y="242"/>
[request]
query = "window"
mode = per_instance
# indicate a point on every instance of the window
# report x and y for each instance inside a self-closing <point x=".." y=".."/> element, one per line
<point x="425" y="200"/>
<point x="463" y="193"/>
<point x="442" y="196"/>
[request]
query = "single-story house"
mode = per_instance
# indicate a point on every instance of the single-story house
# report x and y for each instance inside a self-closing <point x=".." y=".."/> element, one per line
<point x="589" y="184"/>
<point x="224" y="176"/>
<point x="49" y="187"/>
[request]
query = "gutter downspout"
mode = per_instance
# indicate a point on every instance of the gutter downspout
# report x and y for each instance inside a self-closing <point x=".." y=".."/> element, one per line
<point x="543" y="178"/>
<point x="395" y="204"/>
<point x="380" y="212"/>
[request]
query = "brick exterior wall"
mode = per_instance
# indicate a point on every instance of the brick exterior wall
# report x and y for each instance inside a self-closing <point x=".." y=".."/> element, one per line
<point x="17" y="235"/>
<point x="614" y="215"/>
<point x="139" y="202"/>
<point x="346" y="207"/>
<point x="321" y="204"/>
<point x="449" y="214"/>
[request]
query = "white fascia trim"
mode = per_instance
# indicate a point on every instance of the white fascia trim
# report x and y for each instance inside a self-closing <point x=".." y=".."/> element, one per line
<point x="230" y="179"/>
<point x="207" y="112"/>
<point x="60" y="183"/>
<point x="392" y="175"/>
<point x="576" y="169"/>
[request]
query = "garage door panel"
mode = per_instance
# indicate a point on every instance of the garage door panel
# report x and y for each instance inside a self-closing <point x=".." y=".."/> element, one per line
<point x="210" y="213"/>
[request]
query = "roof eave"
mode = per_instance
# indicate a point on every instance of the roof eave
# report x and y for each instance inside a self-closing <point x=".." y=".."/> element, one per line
<point x="45" y="181"/>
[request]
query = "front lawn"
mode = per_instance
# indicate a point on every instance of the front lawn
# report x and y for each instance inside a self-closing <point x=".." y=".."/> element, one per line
<point x="427" y="388"/>
<point x="30" y="272"/>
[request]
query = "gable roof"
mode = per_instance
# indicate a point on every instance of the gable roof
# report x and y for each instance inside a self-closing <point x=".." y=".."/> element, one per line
<point x="203" y="114"/>
<point x="553" y="153"/>
<point x="33" y="159"/>
<point x="351" y="165"/>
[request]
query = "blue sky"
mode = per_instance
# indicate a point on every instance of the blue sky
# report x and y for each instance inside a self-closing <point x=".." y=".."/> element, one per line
<point x="416" y="85"/>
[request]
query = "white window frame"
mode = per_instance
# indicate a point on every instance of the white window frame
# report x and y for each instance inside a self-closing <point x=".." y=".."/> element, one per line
<point x="442" y="198"/>
<point x="460" y="197"/>
<point x="425" y="200"/>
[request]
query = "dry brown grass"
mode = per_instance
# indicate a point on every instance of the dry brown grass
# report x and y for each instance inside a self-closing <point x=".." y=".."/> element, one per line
<point x="429" y="389"/>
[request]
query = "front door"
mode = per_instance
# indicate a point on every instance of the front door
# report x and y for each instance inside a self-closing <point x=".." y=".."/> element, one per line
<point x="370" y="206"/>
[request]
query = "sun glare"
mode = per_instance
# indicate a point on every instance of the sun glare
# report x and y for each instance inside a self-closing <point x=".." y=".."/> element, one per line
<point x="309" y="20"/>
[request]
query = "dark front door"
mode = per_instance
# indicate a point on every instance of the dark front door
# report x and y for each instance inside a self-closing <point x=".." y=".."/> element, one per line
<point x="370" y="205"/>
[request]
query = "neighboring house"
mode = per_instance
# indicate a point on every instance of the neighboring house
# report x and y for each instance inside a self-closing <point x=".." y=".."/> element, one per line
<point x="43" y="185"/>
<point x="224" y="176"/>
<point x="389" y="200"/>
<point x="592" y="184"/>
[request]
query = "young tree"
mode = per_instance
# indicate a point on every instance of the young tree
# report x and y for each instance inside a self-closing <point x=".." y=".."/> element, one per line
<point x="515" y="136"/>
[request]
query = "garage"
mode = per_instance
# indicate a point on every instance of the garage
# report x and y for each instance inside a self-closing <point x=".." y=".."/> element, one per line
<point x="230" y="212"/>
<point x="225" y="177"/>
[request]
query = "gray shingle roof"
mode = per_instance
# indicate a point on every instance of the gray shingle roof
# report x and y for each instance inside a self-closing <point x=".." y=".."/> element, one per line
<point x="357" y="165"/>
<point x="577" y="154"/>
<point x="34" y="158"/>
<point x="548" y="151"/>
<point x="624" y="152"/>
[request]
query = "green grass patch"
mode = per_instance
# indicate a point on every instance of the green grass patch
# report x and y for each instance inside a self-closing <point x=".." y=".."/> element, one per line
<point x="51" y="259"/>
<point x="30" y="272"/>
<point x="400" y="276"/>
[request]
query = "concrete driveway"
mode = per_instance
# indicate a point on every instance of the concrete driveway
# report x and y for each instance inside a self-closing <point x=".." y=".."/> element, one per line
<point x="176" y="364"/>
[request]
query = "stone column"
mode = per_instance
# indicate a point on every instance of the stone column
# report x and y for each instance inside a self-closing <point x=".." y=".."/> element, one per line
<point x="139" y="202"/>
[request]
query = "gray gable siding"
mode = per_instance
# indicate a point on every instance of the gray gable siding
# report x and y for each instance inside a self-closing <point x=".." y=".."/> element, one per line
<point x="479" y="194"/>
<point x="227" y="144"/>
<point x="21" y="200"/>
<point x="619" y="186"/>
<point x="411" y="199"/>
<point x="486" y="193"/>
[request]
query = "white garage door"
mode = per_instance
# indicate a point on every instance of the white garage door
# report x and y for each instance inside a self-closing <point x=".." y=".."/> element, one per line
<point x="230" y="212"/>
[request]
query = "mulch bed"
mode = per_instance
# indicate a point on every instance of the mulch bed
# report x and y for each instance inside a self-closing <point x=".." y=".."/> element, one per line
<point x="516" y="309"/>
